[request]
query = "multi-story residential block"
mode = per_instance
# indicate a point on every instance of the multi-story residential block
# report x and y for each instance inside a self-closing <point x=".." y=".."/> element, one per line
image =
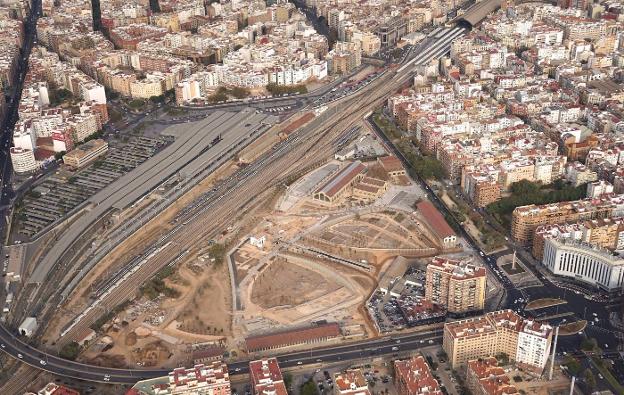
<point x="526" y="342"/>
<point x="413" y="377"/>
<point x="266" y="377"/>
<point x="526" y="219"/>
<point x="457" y="285"/>
<point x="485" y="377"/>
<point x="584" y="262"/>
<point x="211" y="379"/>
<point x="598" y="188"/>
<point x="23" y="160"/>
<point x="351" y="382"/>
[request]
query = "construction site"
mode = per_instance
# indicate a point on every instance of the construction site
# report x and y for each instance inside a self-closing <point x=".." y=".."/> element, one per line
<point x="291" y="261"/>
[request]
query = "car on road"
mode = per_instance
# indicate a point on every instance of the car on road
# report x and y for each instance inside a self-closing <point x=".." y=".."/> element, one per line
<point x="299" y="363"/>
<point x="20" y="356"/>
<point x="43" y="363"/>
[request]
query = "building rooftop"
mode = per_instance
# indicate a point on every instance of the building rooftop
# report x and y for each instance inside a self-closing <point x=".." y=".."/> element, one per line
<point x="435" y="220"/>
<point x="292" y="336"/>
<point x="459" y="269"/>
<point x="416" y="376"/>
<point x="342" y="178"/>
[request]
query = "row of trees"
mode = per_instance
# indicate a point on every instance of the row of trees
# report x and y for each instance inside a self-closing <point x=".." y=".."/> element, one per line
<point x="527" y="192"/>
<point x="223" y="94"/>
<point x="275" y="89"/>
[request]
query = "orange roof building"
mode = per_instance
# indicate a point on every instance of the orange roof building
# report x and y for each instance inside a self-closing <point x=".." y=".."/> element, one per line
<point x="485" y="377"/>
<point x="293" y="337"/>
<point x="436" y="223"/>
<point x="266" y="377"/>
<point x="413" y="377"/>
<point x="335" y="188"/>
<point x="351" y="382"/>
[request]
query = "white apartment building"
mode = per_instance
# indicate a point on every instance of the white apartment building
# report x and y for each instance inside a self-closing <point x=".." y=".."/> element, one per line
<point x="23" y="160"/>
<point x="533" y="344"/>
<point x="583" y="262"/>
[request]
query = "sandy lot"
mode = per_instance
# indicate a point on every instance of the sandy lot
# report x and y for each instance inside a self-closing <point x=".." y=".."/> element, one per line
<point x="283" y="284"/>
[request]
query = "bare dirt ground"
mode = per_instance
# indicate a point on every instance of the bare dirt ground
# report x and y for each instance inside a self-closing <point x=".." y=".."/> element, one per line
<point x="285" y="284"/>
<point x="204" y="308"/>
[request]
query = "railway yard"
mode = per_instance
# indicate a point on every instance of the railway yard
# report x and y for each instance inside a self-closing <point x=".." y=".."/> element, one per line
<point x="170" y="214"/>
<point x="282" y="277"/>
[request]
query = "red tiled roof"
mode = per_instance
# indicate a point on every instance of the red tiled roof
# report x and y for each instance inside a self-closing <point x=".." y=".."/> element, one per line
<point x="211" y="352"/>
<point x="435" y="220"/>
<point x="266" y="377"/>
<point x="391" y="163"/>
<point x="415" y="375"/>
<point x="291" y="337"/>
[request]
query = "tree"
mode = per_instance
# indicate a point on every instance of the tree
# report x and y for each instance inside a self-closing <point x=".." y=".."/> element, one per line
<point x="309" y="388"/>
<point x="589" y="344"/>
<point x="217" y="97"/>
<point x="239" y="92"/>
<point x="288" y="380"/>
<point x="502" y="358"/>
<point x="573" y="365"/>
<point x="590" y="380"/>
<point x="217" y="251"/>
<point x="154" y="5"/>
<point x="70" y="351"/>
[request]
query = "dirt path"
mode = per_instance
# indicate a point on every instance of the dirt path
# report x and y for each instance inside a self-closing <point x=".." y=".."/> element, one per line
<point x="130" y="247"/>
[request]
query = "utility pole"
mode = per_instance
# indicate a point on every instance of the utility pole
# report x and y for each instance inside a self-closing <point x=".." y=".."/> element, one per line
<point x="572" y="385"/>
<point x="552" y="359"/>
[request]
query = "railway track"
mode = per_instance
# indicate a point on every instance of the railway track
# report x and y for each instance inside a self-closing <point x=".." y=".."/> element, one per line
<point x="214" y="211"/>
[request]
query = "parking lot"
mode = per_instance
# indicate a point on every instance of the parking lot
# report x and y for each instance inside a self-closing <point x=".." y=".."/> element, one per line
<point x="401" y="304"/>
<point x="58" y="194"/>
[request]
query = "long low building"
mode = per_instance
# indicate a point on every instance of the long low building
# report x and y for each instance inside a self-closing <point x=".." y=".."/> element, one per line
<point x="332" y="190"/>
<point x="584" y="262"/>
<point x="436" y="222"/>
<point x="86" y="153"/>
<point x="293" y="337"/>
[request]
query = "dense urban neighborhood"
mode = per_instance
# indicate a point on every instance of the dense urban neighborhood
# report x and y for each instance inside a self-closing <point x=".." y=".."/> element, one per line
<point x="312" y="197"/>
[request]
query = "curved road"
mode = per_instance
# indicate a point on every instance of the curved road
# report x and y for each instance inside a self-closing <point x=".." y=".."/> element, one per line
<point x="357" y="350"/>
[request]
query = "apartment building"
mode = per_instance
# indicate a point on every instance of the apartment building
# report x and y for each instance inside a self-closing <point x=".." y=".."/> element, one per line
<point x="86" y="153"/>
<point x="351" y="382"/>
<point x="606" y="233"/>
<point x="485" y="377"/>
<point x="457" y="285"/>
<point x="413" y="377"/>
<point x="23" y="160"/>
<point x="584" y="262"/>
<point x="266" y="377"/>
<point x="210" y="379"/>
<point x="526" y="219"/>
<point x="526" y="342"/>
